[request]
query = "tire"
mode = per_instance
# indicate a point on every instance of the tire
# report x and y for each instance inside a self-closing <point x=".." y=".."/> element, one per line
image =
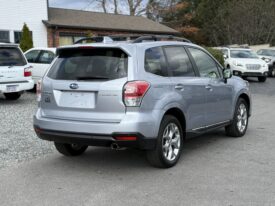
<point x="235" y="129"/>
<point x="70" y="149"/>
<point x="12" y="96"/>
<point x="262" y="79"/>
<point x="165" y="159"/>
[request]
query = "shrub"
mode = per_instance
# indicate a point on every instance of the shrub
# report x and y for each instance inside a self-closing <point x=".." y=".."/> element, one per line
<point x="26" y="42"/>
<point x="217" y="54"/>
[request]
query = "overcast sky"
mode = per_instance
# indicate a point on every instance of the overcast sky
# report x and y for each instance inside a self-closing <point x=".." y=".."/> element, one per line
<point x="91" y="5"/>
<point x="75" y="4"/>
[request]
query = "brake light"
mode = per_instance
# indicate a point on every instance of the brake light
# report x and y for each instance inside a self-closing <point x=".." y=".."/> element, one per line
<point x="134" y="92"/>
<point x="38" y="90"/>
<point x="28" y="71"/>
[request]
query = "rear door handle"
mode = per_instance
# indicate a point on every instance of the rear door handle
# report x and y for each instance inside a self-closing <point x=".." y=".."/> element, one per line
<point x="179" y="87"/>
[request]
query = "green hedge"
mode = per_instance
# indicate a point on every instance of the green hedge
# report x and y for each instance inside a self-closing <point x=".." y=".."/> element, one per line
<point x="217" y="54"/>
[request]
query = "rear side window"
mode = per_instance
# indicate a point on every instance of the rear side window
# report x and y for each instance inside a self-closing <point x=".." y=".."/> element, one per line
<point x="90" y="64"/>
<point x="32" y="55"/>
<point x="11" y="56"/>
<point x="46" y="57"/>
<point x="179" y="62"/>
<point x="155" y="61"/>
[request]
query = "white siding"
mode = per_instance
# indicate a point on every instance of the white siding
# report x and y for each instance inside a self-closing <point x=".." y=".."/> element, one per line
<point x="14" y="13"/>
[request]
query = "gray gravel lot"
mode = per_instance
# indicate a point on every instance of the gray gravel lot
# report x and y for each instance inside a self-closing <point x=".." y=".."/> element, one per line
<point x="18" y="141"/>
<point x="214" y="170"/>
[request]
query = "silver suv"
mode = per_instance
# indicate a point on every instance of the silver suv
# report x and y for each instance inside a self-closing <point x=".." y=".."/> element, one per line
<point x="148" y="95"/>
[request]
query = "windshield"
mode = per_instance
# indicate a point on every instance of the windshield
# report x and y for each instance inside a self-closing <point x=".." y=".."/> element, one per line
<point x="11" y="56"/>
<point x="244" y="54"/>
<point x="268" y="53"/>
<point x="90" y="64"/>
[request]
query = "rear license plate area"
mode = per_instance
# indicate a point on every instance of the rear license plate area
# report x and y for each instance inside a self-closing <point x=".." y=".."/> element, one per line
<point x="12" y="88"/>
<point x="84" y="100"/>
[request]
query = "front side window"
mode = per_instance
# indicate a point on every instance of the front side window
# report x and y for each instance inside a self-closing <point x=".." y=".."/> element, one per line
<point x="46" y="57"/>
<point x="179" y="62"/>
<point x="32" y="56"/>
<point x="11" y="56"/>
<point x="90" y="64"/>
<point x="267" y="52"/>
<point x="155" y="61"/>
<point x="206" y="65"/>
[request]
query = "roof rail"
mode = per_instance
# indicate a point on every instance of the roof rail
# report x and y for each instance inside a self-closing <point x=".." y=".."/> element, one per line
<point x="160" y="38"/>
<point x="96" y="39"/>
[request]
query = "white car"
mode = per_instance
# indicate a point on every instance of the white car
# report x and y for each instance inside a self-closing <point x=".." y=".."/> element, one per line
<point x="40" y="60"/>
<point x="245" y="63"/>
<point x="15" y="72"/>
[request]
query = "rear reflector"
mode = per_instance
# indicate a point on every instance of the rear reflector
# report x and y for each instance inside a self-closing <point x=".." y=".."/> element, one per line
<point x="126" y="138"/>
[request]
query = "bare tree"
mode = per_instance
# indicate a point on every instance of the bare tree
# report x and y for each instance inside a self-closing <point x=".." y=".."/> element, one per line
<point x="115" y="7"/>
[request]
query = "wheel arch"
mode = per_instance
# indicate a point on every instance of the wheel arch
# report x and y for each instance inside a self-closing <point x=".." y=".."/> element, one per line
<point x="178" y="113"/>
<point x="247" y="99"/>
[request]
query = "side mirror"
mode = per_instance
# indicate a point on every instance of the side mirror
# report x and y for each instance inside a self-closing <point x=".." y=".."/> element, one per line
<point x="227" y="74"/>
<point x="225" y="56"/>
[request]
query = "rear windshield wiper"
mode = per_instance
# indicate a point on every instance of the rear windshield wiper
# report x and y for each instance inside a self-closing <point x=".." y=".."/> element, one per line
<point x="92" y="78"/>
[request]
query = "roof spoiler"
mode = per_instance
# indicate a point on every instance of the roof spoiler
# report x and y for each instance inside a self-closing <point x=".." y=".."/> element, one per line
<point x="96" y="39"/>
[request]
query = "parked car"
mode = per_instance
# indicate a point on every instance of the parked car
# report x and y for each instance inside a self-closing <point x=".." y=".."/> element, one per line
<point x="40" y="60"/>
<point x="148" y="95"/>
<point x="15" y="72"/>
<point x="245" y="63"/>
<point x="268" y="55"/>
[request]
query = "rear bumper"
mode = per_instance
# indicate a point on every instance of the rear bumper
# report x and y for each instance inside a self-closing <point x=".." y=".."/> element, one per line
<point x="145" y="126"/>
<point x="103" y="140"/>
<point x="20" y="85"/>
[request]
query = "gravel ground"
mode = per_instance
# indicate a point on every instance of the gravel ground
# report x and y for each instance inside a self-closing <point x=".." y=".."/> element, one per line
<point x="18" y="141"/>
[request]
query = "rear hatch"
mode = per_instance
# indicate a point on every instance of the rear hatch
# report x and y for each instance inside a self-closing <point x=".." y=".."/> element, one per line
<point x="12" y="64"/>
<point x="85" y="84"/>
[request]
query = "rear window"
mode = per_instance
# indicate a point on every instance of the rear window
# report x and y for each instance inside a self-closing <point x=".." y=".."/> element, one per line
<point x="10" y="56"/>
<point x="90" y="64"/>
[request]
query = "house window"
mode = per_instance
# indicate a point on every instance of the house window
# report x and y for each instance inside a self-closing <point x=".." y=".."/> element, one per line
<point x="69" y="38"/>
<point x="18" y="36"/>
<point x="4" y="36"/>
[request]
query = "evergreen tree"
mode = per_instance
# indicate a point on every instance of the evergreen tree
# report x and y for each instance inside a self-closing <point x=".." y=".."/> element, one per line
<point x="26" y="42"/>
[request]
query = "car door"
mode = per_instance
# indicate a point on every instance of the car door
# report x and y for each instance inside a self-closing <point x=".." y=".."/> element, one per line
<point x="219" y="95"/>
<point x="187" y="85"/>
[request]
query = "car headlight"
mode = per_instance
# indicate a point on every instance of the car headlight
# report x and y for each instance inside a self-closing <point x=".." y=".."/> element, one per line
<point x="267" y="60"/>
<point x="264" y="65"/>
<point x="238" y="64"/>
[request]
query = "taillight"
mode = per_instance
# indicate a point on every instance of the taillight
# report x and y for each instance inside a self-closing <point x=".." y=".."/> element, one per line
<point x="134" y="92"/>
<point x="28" y="71"/>
<point x="38" y="90"/>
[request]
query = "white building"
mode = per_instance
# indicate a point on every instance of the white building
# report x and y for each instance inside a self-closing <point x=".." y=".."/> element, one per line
<point x="52" y="27"/>
<point x="14" y="13"/>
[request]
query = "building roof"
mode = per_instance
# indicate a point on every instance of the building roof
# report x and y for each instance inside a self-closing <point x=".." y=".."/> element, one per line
<point x="68" y="18"/>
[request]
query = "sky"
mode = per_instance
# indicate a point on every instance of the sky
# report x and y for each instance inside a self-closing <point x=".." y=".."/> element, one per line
<point x="89" y="5"/>
<point x="75" y="4"/>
